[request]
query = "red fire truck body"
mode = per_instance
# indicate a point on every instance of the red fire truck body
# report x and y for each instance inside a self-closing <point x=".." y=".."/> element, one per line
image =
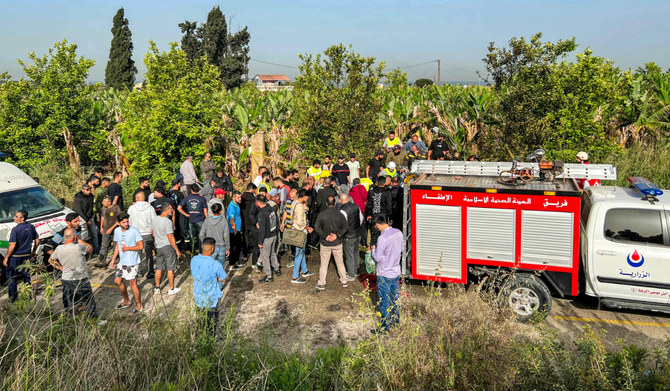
<point x="463" y="222"/>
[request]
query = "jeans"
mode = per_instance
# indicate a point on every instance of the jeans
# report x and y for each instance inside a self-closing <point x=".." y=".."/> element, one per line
<point x="195" y="236"/>
<point x="236" y="244"/>
<point x="208" y="319"/>
<point x="148" y="255"/>
<point x="12" y="272"/>
<point x="351" y="255"/>
<point x="94" y="231"/>
<point x="269" y="255"/>
<point x="389" y="307"/>
<point x="77" y="292"/>
<point x="300" y="261"/>
<point x="219" y="255"/>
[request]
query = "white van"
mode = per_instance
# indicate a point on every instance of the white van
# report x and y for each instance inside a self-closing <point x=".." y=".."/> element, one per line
<point x="19" y="191"/>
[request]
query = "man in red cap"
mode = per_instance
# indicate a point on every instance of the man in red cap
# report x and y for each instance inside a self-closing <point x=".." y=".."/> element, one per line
<point x="219" y="195"/>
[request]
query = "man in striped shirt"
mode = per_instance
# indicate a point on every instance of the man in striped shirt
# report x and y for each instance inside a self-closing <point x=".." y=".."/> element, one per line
<point x="287" y="218"/>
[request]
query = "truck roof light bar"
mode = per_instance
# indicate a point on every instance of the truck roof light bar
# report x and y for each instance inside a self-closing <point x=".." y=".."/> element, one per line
<point x="648" y="189"/>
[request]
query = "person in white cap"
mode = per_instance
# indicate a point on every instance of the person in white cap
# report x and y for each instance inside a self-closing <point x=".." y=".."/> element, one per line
<point x="583" y="158"/>
<point x="390" y="170"/>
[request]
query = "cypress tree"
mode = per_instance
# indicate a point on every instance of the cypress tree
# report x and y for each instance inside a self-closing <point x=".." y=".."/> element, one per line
<point x="190" y="43"/>
<point x="214" y="36"/>
<point x="120" y="71"/>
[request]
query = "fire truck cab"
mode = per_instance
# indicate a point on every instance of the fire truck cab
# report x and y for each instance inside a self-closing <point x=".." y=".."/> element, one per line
<point x="537" y="239"/>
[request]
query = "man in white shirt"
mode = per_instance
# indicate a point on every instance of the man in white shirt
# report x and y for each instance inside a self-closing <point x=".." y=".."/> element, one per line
<point x="188" y="171"/>
<point x="354" y="167"/>
<point x="259" y="178"/>
<point x="142" y="215"/>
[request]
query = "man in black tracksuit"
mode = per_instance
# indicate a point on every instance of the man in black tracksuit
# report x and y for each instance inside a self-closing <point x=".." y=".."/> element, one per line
<point x="268" y="228"/>
<point x="83" y="206"/>
<point x="379" y="203"/>
<point x="249" y="222"/>
<point x="397" y="203"/>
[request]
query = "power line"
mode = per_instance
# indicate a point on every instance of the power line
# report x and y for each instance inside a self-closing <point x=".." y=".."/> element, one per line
<point x="272" y="63"/>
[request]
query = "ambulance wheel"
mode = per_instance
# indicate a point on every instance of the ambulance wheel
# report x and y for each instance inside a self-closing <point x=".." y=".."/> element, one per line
<point x="527" y="296"/>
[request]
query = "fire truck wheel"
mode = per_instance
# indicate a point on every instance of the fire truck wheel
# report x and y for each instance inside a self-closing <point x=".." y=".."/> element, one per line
<point x="527" y="296"/>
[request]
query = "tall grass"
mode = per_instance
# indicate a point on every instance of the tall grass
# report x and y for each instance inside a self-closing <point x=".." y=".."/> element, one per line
<point x="448" y="341"/>
<point x="649" y="161"/>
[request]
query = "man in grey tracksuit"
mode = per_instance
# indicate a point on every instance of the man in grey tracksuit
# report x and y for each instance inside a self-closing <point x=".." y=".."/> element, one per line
<point x="268" y="228"/>
<point x="216" y="227"/>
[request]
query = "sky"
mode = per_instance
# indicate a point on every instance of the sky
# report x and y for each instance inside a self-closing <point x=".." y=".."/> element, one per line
<point x="401" y="33"/>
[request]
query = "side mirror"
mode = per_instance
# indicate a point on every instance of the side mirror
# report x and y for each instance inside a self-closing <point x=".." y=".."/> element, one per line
<point x="62" y="201"/>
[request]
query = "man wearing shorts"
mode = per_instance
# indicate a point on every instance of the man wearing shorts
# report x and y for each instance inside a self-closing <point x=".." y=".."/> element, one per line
<point x="167" y="252"/>
<point x="129" y="244"/>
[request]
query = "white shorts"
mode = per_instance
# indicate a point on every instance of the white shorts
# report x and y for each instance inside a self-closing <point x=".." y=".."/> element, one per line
<point x="127" y="272"/>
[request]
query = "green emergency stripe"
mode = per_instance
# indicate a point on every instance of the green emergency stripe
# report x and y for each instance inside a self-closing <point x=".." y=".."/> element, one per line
<point x="4" y="244"/>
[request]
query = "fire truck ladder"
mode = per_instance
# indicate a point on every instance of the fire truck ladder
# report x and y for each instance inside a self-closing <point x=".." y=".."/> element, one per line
<point x="574" y="170"/>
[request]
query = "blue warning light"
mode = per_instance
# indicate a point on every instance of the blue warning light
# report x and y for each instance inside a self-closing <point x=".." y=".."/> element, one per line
<point x="644" y="186"/>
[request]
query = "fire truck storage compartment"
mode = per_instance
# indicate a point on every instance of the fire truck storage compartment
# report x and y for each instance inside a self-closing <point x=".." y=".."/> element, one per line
<point x="458" y="221"/>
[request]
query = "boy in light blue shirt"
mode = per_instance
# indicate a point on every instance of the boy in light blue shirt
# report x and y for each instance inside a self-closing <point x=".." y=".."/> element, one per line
<point x="129" y="244"/>
<point x="207" y="276"/>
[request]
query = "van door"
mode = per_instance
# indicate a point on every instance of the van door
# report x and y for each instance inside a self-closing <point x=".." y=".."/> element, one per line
<point x="631" y="254"/>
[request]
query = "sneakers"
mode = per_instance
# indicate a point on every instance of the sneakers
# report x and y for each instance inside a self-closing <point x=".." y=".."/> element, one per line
<point x="298" y="280"/>
<point x="290" y="264"/>
<point x="137" y="311"/>
<point x="257" y="268"/>
<point x="351" y="278"/>
<point x="307" y="273"/>
<point x="266" y="279"/>
<point x="320" y="287"/>
<point x="345" y="285"/>
<point x="239" y="266"/>
<point x="174" y="291"/>
<point x="157" y="291"/>
<point x="278" y="272"/>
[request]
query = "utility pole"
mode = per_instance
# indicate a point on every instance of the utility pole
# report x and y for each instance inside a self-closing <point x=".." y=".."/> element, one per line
<point x="246" y="68"/>
<point x="438" y="72"/>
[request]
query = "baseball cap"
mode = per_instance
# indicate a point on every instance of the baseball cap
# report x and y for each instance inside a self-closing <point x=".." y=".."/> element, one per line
<point x="273" y="192"/>
<point x="177" y="180"/>
<point x="341" y="156"/>
<point x="396" y="146"/>
<point x="219" y="191"/>
<point x="379" y="152"/>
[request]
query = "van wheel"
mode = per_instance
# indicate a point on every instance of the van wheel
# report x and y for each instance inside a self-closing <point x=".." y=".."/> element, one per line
<point x="527" y="296"/>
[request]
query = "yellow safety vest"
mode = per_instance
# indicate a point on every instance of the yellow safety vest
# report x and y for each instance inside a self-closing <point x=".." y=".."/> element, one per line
<point x="390" y="173"/>
<point x="261" y="185"/>
<point x="315" y="172"/>
<point x="367" y="183"/>
<point x="390" y="143"/>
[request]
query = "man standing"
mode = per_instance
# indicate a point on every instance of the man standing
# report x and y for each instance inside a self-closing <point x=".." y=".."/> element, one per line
<point x="249" y="222"/>
<point x="327" y="164"/>
<point x="324" y="193"/>
<point x="359" y="195"/>
<point x="216" y="227"/>
<point x="415" y="141"/>
<point x="219" y="196"/>
<point x="268" y="227"/>
<point x="234" y="217"/>
<point x="207" y="277"/>
<point x="115" y="190"/>
<point x="20" y="251"/>
<point x="354" y="168"/>
<point x="331" y="227"/>
<point x="142" y="214"/>
<point x="259" y="177"/>
<point x="379" y="203"/>
<point x="70" y="258"/>
<point x="128" y="246"/>
<point x="144" y="188"/>
<point x="315" y="170"/>
<point x="352" y="238"/>
<point x="167" y="252"/>
<point x="207" y="168"/>
<point x="375" y="165"/>
<point x="293" y="178"/>
<point x="100" y="194"/>
<point x="283" y="190"/>
<point x="438" y="148"/>
<point x="399" y="157"/>
<point x="397" y="204"/>
<point x="222" y="181"/>
<point x="83" y="206"/>
<point x="181" y="222"/>
<point x="188" y="171"/>
<point x="107" y="225"/>
<point x="387" y="253"/>
<point x="391" y="141"/>
<point x="196" y="212"/>
<point x="341" y="173"/>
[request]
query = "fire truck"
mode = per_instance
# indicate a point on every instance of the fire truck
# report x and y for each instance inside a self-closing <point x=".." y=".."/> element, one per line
<point x="537" y="237"/>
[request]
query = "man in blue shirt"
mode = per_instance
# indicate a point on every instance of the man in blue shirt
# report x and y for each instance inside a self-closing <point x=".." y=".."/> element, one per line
<point x="388" y="253"/>
<point x="415" y="141"/>
<point x="207" y="276"/>
<point x="234" y="216"/>
<point x="129" y="244"/>
<point x="194" y="207"/>
<point x="20" y="252"/>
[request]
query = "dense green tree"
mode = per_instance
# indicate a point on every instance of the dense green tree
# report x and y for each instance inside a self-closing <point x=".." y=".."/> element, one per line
<point x="228" y="52"/>
<point x="176" y="113"/>
<point x="50" y="115"/>
<point x="337" y="103"/>
<point x="120" y="71"/>
<point x="423" y="82"/>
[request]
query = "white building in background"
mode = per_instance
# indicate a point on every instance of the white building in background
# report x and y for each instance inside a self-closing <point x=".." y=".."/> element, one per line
<point x="272" y="82"/>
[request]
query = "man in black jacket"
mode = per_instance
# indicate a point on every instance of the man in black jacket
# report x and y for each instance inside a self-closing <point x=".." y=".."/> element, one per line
<point x="249" y="227"/>
<point x="144" y="188"/>
<point x="352" y="238"/>
<point x="268" y="227"/>
<point x="83" y="206"/>
<point x="331" y="227"/>
<point x="379" y="203"/>
<point x="326" y="192"/>
<point x="397" y="203"/>
<point x="222" y="181"/>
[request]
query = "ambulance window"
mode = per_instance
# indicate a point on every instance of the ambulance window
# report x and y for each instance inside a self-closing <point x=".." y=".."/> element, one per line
<point x="634" y="225"/>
